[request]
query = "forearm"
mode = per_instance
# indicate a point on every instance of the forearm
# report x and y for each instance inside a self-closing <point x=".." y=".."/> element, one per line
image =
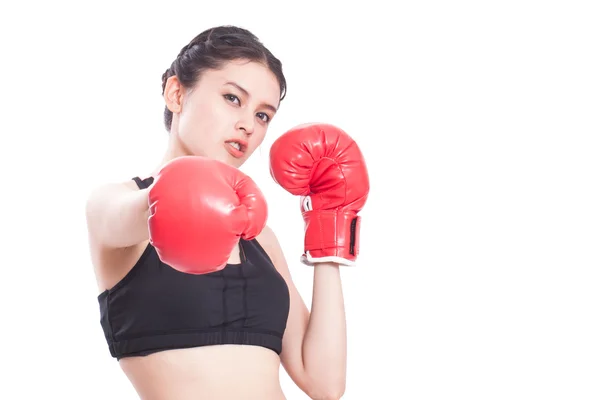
<point x="324" y="346"/>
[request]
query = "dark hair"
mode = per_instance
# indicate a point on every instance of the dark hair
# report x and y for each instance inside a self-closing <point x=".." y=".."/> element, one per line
<point x="213" y="48"/>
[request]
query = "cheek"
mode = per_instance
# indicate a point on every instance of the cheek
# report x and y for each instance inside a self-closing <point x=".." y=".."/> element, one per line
<point x="188" y="127"/>
<point x="258" y="137"/>
<point x="196" y="119"/>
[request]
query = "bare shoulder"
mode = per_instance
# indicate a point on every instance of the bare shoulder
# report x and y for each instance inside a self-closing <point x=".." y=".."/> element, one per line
<point x="269" y="242"/>
<point x="102" y="190"/>
<point x="109" y="233"/>
<point x="102" y="195"/>
<point x="266" y="235"/>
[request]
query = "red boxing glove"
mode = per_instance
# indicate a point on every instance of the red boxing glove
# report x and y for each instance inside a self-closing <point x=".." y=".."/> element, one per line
<point x="199" y="209"/>
<point x="323" y="164"/>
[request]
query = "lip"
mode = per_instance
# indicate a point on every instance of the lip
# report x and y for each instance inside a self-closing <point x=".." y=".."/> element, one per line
<point x="243" y="143"/>
<point x="233" y="151"/>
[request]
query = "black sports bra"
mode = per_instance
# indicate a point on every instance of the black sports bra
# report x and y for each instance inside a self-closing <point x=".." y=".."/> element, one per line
<point x="155" y="307"/>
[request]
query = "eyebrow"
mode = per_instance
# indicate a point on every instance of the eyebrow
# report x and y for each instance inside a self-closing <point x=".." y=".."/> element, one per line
<point x="241" y="89"/>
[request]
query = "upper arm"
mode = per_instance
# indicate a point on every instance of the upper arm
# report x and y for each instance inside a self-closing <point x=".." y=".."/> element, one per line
<point x="291" y="355"/>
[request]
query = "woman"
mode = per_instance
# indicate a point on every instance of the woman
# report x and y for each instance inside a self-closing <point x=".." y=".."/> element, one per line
<point x="220" y="93"/>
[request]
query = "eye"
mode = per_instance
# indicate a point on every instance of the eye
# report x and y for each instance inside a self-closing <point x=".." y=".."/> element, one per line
<point x="232" y="98"/>
<point x="264" y="117"/>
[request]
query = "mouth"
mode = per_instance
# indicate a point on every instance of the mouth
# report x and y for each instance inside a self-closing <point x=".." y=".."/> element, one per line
<point x="236" y="148"/>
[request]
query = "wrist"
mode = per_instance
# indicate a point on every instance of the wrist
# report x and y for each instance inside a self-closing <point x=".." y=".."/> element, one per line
<point x="327" y="265"/>
<point x="331" y="236"/>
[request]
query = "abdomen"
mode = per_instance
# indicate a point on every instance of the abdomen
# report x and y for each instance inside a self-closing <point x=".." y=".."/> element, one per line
<point x="211" y="372"/>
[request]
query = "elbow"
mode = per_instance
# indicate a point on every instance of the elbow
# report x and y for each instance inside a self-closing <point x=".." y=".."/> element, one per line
<point x="333" y="391"/>
<point x="325" y="381"/>
<point x="330" y="396"/>
<point x="336" y="395"/>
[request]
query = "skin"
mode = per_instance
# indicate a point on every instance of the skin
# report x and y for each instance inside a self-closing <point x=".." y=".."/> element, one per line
<point x="235" y="102"/>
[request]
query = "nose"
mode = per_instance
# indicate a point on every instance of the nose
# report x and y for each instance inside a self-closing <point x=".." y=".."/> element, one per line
<point x="246" y="124"/>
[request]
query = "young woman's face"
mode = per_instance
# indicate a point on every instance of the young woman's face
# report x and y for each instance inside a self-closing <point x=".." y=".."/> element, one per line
<point x="226" y="115"/>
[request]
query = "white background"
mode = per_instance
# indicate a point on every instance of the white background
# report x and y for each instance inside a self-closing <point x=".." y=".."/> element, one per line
<point x="478" y="277"/>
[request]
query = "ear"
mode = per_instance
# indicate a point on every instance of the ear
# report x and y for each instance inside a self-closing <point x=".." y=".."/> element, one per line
<point x="173" y="94"/>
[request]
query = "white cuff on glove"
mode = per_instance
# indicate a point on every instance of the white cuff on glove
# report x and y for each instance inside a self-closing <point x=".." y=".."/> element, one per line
<point x="310" y="261"/>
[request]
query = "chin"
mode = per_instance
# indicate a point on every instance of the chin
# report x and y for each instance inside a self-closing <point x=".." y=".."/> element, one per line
<point x="229" y="160"/>
<point x="236" y="163"/>
<point x="224" y="157"/>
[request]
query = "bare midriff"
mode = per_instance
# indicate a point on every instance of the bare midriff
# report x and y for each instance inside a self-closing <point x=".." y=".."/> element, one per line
<point x="212" y="372"/>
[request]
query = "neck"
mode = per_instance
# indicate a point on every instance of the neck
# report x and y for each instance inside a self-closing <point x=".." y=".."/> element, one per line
<point x="174" y="150"/>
